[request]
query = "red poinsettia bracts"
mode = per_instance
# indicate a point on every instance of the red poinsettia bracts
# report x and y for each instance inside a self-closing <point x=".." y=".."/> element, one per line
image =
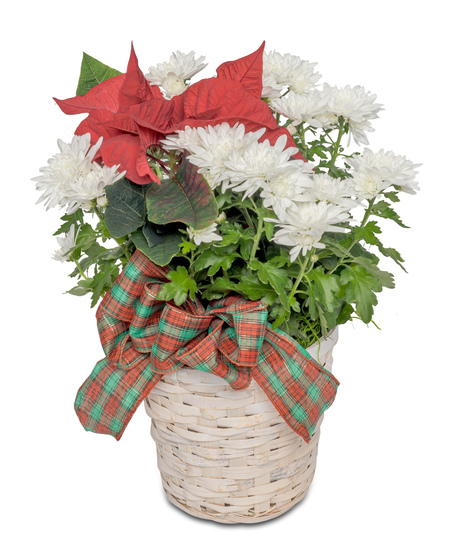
<point x="131" y="115"/>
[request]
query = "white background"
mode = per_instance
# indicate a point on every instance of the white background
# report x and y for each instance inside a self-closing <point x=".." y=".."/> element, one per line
<point x="390" y="474"/>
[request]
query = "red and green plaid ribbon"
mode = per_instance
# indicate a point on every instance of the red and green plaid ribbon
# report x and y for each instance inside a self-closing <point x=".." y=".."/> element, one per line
<point x="144" y="338"/>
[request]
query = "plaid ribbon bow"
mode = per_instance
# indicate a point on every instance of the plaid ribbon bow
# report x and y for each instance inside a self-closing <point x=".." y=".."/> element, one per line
<point x="144" y="338"/>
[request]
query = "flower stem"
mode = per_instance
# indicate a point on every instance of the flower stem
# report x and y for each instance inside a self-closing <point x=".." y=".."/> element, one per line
<point x="362" y="224"/>
<point x="337" y="144"/>
<point x="81" y="272"/>
<point x="368" y="211"/>
<point x="124" y="247"/>
<point x="256" y="239"/>
<point x="247" y="217"/>
<point x="301" y="274"/>
<point x="99" y="212"/>
<point x="159" y="163"/>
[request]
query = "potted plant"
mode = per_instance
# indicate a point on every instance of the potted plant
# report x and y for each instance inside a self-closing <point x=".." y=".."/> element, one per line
<point x="228" y="231"/>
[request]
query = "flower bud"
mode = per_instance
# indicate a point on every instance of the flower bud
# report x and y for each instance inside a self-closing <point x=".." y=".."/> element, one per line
<point x="291" y="129"/>
<point x="221" y="218"/>
<point x="102" y="201"/>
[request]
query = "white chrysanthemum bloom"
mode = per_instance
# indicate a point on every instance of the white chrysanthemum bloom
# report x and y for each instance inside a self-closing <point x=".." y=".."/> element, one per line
<point x="284" y="188"/>
<point x="325" y="188"/>
<point x="367" y="183"/>
<point x="355" y="105"/>
<point x="181" y="139"/>
<point x="204" y="235"/>
<point x="172" y="75"/>
<point x="286" y="70"/>
<point x="305" y="226"/>
<point x="250" y="170"/>
<point x="92" y="187"/>
<point x="71" y="178"/>
<point x="389" y="168"/>
<point x="301" y="108"/>
<point x="213" y="147"/>
<point x="173" y="86"/>
<point x="67" y="245"/>
<point x="64" y="169"/>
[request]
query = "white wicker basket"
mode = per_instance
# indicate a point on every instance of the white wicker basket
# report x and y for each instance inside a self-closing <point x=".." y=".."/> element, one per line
<point x="228" y="455"/>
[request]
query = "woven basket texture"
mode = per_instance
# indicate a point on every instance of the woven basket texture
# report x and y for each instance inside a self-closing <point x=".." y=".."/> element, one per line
<point x="228" y="455"/>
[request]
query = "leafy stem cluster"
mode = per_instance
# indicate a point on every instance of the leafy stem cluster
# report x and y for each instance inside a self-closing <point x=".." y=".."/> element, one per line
<point x="97" y="264"/>
<point x="306" y="298"/>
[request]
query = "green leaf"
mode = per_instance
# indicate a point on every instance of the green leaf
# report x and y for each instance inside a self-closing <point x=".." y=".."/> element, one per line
<point x="329" y="262"/>
<point x="112" y="254"/>
<point x="86" y="237"/>
<point x="93" y="72"/>
<point x="324" y="319"/>
<point x="185" y="198"/>
<point x="151" y="235"/>
<point x="213" y="261"/>
<point x="103" y="280"/>
<point x="218" y="288"/>
<point x="246" y="243"/>
<point x="358" y="251"/>
<point x="84" y="287"/>
<point x="345" y="314"/>
<point x="94" y="253"/>
<point x="254" y="289"/>
<point x="281" y="314"/>
<point x="391" y="196"/>
<point x="360" y="286"/>
<point x="367" y="233"/>
<point x="162" y="253"/>
<point x="384" y="210"/>
<point x="385" y="278"/>
<point x="231" y="234"/>
<point x="186" y="246"/>
<point x="181" y="284"/>
<point x="69" y="220"/>
<point x="125" y="211"/>
<point x="325" y="287"/>
<point x="336" y="247"/>
<point x="276" y="277"/>
<point x="393" y="254"/>
<point x="269" y="230"/>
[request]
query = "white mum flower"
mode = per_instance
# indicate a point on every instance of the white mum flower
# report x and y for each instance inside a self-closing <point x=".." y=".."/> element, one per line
<point x="172" y="75"/>
<point x="286" y="70"/>
<point x="71" y="178"/>
<point x="204" y="235"/>
<point x="325" y="188"/>
<point x="304" y="226"/>
<point x="355" y="105"/>
<point x="67" y="245"/>
<point x="214" y="145"/>
<point x="173" y="86"/>
<point x="389" y="168"/>
<point x="91" y="187"/>
<point x="65" y="168"/>
<point x="368" y="183"/>
<point x="301" y="108"/>
<point x="181" y="139"/>
<point x="284" y="188"/>
<point x="251" y="169"/>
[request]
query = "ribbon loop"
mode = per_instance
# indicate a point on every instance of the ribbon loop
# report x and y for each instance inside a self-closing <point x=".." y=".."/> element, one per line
<point x="144" y="338"/>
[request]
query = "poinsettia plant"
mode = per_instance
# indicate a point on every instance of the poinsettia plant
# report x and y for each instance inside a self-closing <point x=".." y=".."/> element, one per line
<point x="239" y="183"/>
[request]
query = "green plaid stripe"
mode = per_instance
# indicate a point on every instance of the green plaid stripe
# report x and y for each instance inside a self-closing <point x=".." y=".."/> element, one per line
<point x="144" y="338"/>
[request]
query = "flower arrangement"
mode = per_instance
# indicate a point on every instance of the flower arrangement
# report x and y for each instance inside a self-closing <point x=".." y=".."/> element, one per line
<point x="228" y="230"/>
<point x="240" y="183"/>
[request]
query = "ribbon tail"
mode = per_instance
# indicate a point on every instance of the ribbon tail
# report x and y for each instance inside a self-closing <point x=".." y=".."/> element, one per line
<point x="107" y="400"/>
<point x="300" y="389"/>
